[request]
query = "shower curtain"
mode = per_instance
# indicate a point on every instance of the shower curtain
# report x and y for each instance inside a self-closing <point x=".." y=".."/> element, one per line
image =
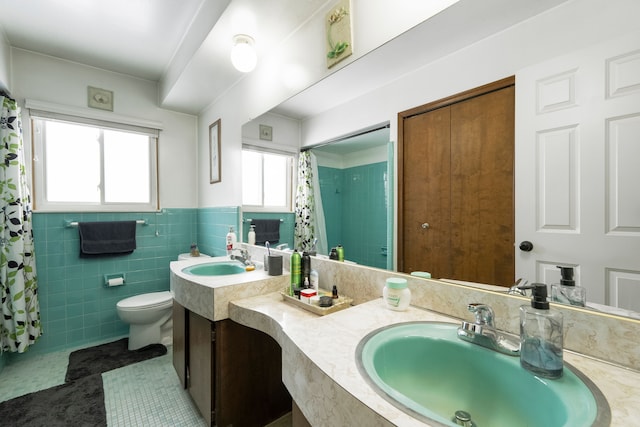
<point x="309" y="215"/>
<point x="20" y="323"/>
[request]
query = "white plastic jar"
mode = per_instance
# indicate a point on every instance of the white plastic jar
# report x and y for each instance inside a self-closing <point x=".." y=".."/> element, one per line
<point x="396" y="294"/>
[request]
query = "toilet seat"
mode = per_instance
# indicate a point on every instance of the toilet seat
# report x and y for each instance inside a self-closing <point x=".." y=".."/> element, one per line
<point x="146" y="301"/>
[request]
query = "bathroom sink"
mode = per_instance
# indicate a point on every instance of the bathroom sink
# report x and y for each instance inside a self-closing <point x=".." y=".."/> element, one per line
<point x="218" y="268"/>
<point x="424" y="369"/>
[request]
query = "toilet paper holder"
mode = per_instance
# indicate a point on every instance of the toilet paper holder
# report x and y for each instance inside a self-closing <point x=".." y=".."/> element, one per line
<point x="111" y="280"/>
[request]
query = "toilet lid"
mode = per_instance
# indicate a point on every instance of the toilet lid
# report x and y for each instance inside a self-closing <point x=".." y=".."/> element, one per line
<point x="151" y="299"/>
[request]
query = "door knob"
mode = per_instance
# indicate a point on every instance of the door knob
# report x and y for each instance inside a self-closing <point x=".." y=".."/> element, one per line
<point x="425" y="225"/>
<point x="526" y="246"/>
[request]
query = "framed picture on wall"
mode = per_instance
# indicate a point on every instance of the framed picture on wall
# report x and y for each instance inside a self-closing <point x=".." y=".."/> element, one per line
<point x="215" y="164"/>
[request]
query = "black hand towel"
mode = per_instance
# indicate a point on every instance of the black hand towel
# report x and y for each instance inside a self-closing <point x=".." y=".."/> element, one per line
<point x="107" y="238"/>
<point x="267" y="230"/>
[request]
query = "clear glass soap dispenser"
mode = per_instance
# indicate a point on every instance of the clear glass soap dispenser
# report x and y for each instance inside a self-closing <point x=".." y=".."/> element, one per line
<point x="566" y="291"/>
<point x="541" y="335"/>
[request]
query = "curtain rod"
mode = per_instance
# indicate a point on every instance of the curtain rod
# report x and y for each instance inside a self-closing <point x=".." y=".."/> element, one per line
<point x="6" y="94"/>
<point x="344" y="138"/>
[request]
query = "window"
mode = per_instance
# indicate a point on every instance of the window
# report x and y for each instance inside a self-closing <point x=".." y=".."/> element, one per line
<point x="89" y="165"/>
<point x="266" y="180"/>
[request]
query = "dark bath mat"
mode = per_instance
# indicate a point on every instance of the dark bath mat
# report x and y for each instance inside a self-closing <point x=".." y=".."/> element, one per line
<point x="105" y="357"/>
<point x="78" y="403"/>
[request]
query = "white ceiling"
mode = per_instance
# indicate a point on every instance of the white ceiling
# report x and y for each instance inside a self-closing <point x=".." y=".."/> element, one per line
<point x="136" y="37"/>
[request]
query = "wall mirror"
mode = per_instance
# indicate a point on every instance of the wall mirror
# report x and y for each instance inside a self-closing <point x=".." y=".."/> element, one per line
<point x="628" y="274"/>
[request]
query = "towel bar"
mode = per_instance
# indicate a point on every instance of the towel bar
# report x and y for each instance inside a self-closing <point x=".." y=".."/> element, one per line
<point x="75" y="223"/>
<point x="251" y="219"/>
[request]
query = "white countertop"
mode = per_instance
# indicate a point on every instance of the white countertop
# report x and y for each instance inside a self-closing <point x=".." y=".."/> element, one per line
<point x="319" y="362"/>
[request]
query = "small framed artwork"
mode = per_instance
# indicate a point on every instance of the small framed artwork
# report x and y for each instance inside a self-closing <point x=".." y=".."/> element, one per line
<point x="215" y="164"/>
<point x="100" y="98"/>
<point x="338" y="33"/>
<point x="266" y="132"/>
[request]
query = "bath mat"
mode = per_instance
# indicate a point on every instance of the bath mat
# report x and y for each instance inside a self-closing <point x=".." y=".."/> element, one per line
<point x="105" y="357"/>
<point x="78" y="403"/>
<point x="80" y="400"/>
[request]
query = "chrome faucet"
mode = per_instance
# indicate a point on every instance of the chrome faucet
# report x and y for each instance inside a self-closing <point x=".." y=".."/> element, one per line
<point x="517" y="289"/>
<point x="243" y="257"/>
<point x="483" y="331"/>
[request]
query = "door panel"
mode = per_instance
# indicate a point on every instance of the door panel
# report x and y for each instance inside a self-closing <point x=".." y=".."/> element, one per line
<point x="482" y="220"/>
<point x="577" y="151"/>
<point x="427" y="203"/>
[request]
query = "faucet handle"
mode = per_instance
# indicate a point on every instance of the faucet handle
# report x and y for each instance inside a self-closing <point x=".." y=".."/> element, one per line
<point x="483" y="313"/>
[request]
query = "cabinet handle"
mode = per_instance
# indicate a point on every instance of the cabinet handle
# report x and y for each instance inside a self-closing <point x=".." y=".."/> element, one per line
<point x="425" y="225"/>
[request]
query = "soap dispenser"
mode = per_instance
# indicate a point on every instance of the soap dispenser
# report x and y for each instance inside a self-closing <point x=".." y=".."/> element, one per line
<point x="566" y="291"/>
<point x="251" y="236"/>
<point x="540" y="335"/>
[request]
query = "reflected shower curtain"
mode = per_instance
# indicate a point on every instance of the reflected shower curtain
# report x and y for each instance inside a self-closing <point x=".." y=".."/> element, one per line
<point x="309" y="216"/>
<point x="20" y="322"/>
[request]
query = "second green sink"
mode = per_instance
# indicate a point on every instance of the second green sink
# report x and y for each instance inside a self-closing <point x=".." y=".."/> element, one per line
<point x="218" y="268"/>
<point x="424" y="369"/>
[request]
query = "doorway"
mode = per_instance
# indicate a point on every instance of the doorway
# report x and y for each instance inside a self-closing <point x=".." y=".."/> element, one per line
<point x="456" y="186"/>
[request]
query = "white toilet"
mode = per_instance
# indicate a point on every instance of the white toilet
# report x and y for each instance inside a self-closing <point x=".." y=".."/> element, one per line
<point x="149" y="318"/>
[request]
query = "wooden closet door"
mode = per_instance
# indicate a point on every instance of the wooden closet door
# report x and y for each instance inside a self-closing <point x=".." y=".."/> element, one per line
<point x="426" y="204"/>
<point x="482" y="188"/>
<point x="455" y="166"/>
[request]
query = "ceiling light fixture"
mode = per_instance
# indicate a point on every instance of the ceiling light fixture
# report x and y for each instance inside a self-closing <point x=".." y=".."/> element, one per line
<point x="243" y="54"/>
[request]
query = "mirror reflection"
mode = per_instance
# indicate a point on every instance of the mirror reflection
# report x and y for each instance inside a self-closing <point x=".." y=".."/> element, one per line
<point x="557" y="218"/>
<point x="353" y="176"/>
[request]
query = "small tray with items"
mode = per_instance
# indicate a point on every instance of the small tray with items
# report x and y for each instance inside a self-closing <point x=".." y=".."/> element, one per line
<point x="338" y="304"/>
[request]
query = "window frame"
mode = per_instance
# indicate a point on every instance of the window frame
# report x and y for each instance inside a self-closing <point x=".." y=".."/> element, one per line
<point x="40" y="202"/>
<point x="290" y="179"/>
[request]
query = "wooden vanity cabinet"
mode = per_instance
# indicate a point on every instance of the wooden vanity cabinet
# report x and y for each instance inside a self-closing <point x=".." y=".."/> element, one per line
<point x="233" y="373"/>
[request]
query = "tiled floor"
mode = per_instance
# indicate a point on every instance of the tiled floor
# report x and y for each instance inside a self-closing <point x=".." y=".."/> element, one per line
<point x="143" y="394"/>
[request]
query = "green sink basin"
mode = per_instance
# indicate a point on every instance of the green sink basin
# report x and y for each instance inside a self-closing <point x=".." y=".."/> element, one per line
<point x="218" y="268"/>
<point x="424" y="369"/>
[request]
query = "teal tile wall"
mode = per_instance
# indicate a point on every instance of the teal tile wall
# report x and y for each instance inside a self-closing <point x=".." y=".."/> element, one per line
<point x="286" y="227"/>
<point x="355" y="207"/>
<point x="213" y="226"/>
<point x="76" y="308"/>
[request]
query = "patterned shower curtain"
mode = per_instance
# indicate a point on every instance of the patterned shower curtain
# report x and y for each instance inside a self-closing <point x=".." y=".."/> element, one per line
<point x="20" y="322"/>
<point x="304" y="229"/>
<point x="309" y="221"/>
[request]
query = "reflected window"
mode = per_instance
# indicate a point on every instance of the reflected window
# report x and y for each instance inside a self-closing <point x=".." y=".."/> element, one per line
<point x="266" y="180"/>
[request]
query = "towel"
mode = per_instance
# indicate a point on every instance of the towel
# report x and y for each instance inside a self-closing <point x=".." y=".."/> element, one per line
<point x="107" y="238"/>
<point x="267" y="230"/>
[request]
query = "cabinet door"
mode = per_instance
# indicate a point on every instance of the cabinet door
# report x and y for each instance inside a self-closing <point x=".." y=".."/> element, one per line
<point x="201" y="363"/>
<point x="482" y="188"/>
<point x="426" y="181"/>
<point x="180" y="343"/>
<point x="249" y="388"/>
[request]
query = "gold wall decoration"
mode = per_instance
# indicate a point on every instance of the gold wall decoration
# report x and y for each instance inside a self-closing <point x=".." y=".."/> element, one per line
<point x="338" y="33"/>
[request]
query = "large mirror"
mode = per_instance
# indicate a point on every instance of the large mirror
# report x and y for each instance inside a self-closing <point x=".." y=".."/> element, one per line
<point x="628" y="276"/>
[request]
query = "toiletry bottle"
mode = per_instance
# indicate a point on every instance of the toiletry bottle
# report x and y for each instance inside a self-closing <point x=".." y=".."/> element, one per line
<point x="251" y="237"/>
<point x="340" y="251"/>
<point x="306" y="267"/>
<point x="296" y="269"/>
<point x="231" y="240"/>
<point x="566" y="291"/>
<point x="540" y="335"/>
<point x="194" y="250"/>
<point x="333" y="254"/>
<point x="396" y="294"/>
<point x="314" y="280"/>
